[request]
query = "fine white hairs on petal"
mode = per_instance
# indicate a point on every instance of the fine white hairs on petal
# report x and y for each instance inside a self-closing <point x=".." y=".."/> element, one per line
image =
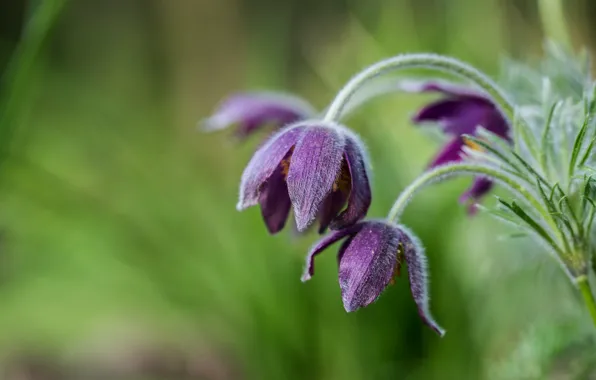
<point x="418" y="275"/>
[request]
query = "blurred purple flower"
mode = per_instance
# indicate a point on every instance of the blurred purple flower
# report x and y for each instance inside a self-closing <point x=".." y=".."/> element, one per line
<point x="316" y="168"/>
<point x="250" y="112"/>
<point x="370" y="258"/>
<point x="461" y="111"/>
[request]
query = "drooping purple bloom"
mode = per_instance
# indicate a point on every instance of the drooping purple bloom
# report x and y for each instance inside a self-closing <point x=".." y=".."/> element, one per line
<point x="459" y="112"/>
<point x="316" y="168"/>
<point x="370" y="258"/>
<point x="253" y="111"/>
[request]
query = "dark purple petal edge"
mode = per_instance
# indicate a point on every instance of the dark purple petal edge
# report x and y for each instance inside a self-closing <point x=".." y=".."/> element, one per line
<point x="417" y="273"/>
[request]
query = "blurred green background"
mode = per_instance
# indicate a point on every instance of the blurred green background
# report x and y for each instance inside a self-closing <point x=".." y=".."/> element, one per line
<point x="122" y="255"/>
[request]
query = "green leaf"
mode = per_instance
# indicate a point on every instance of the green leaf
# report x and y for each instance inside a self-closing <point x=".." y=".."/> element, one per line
<point x="589" y="115"/>
<point x="577" y="145"/>
<point x="565" y="200"/>
<point x="530" y="169"/>
<point x="513" y="207"/>
<point x="588" y="151"/>
<point x="514" y="235"/>
<point x="553" y="210"/>
<point x="530" y="141"/>
<point x="545" y="146"/>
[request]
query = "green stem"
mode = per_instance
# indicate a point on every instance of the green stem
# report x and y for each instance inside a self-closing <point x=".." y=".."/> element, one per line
<point x="421" y="60"/>
<point x="553" y="20"/>
<point x="474" y="170"/>
<point x="584" y="287"/>
<point x="17" y="78"/>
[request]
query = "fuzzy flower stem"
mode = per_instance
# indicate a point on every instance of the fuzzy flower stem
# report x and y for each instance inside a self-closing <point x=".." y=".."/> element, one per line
<point x="474" y="170"/>
<point x="584" y="287"/>
<point x="421" y="60"/>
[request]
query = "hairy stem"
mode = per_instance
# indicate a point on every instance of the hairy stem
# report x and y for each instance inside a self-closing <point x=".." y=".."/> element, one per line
<point x="474" y="170"/>
<point x="584" y="287"/>
<point x="421" y="60"/>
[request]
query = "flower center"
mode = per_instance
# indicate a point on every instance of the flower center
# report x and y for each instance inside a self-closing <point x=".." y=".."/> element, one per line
<point x="343" y="180"/>
<point x="471" y="144"/>
<point x="398" y="262"/>
<point x="285" y="163"/>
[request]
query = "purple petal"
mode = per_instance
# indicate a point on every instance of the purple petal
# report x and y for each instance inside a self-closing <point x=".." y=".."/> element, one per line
<point x="368" y="264"/>
<point x="360" y="193"/>
<point x="309" y="269"/>
<point x="275" y="201"/>
<point x="331" y="206"/>
<point x="438" y="111"/>
<point x="479" y="188"/>
<point x="342" y="249"/>
<point x="495" y="123"/>
<point x="253" y="110"/>
<point x="264" y="162"/>
<point x="461" y="111"/>
<point x="314" y="166"/>
<point x="457" y="116"/>
<point x="450" y="153"/>
<point x="417" y="273"/>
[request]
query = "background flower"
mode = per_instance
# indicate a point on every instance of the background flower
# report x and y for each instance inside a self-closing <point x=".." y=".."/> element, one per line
<point x="250" y="112"/>
<point x="460" y="111"/>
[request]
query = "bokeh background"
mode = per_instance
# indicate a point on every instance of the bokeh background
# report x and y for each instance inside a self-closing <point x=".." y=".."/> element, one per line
<point x="122" y="255"/>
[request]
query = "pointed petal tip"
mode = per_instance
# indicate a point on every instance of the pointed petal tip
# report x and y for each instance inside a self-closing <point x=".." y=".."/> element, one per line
<point x="302" y="221"/>
<point x="354" y="303"/>
<point x="275" y="231"/>
<point x="428" y="320"/>
<point x="350" y="308"/>
<point x="243" y="204"/>
<point x="212" y="123"/>
<point x="436" y="328"/>
<point x="306" y="276"/>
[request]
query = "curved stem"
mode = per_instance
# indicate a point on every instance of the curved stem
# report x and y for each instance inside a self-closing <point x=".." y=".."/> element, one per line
<point x="474" y="170"/>
<point x="584" y="287"/>
<point x="421" y="60"/>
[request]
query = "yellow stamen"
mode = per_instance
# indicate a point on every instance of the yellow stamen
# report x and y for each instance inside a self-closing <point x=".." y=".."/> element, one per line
<point x="285" y="164"/>
<point x="343" y="180"/>
<point x="473" y="145"/>
<point x="398" y="263"/>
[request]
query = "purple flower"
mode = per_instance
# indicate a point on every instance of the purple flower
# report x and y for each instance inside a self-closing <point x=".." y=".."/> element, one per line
<point x="252" y="111"/>
<point x="461" y="111"/>
<point x="313" y="167"/>
<point x="370" y="258"/>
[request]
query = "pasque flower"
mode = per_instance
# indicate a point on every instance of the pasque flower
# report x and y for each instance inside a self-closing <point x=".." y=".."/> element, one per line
<point x="461" y="111"/>
<point x="370" y="258"/>
<point x="250" y="112"/>
<point x="316" y="168"/>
